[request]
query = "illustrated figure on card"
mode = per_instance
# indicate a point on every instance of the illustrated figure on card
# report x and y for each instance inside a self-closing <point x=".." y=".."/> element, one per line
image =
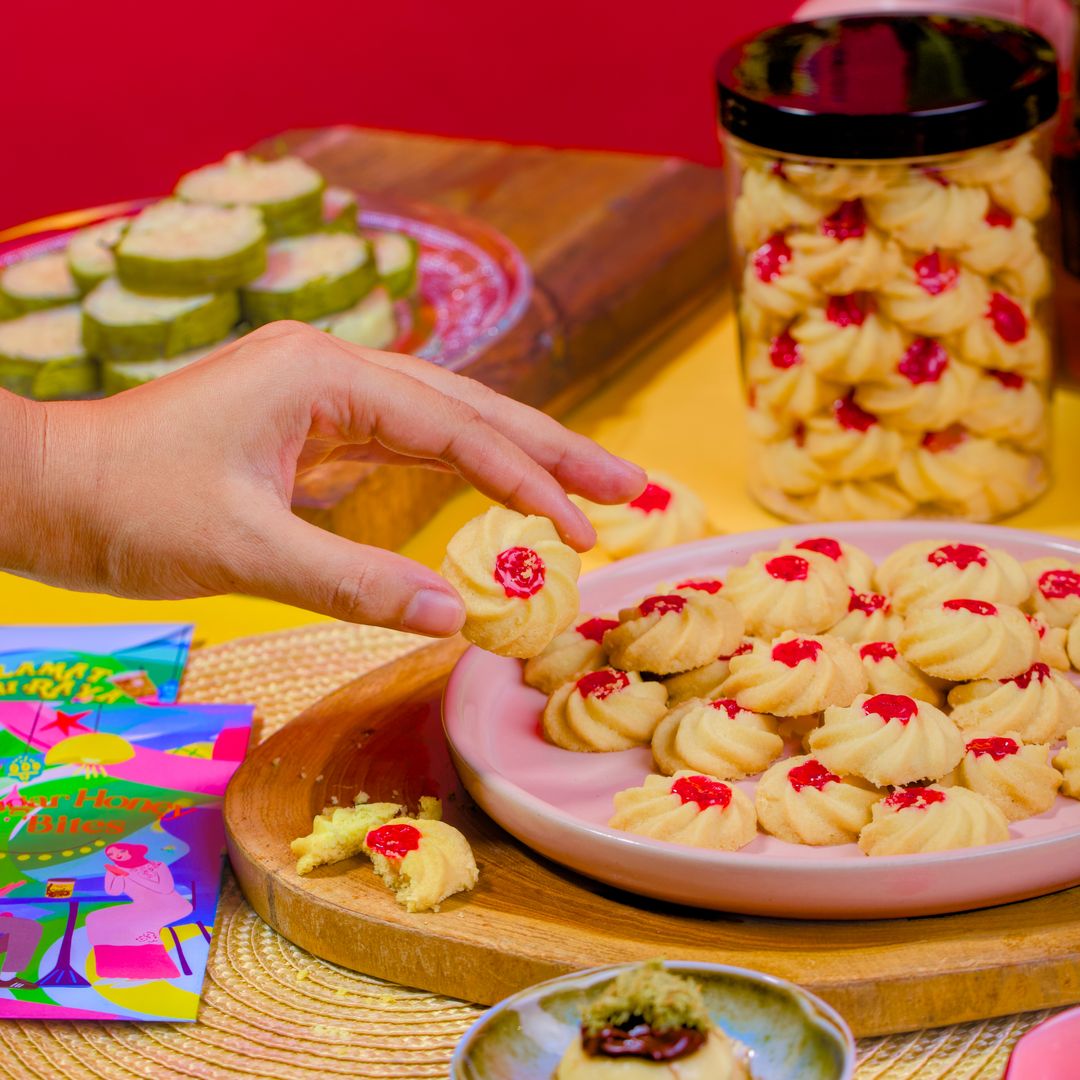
<point x="18" y="939"/>
<point x="126" y="938"/>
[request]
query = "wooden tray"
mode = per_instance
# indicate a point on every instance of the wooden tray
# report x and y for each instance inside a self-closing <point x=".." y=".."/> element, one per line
<point x="620" y="247"/>
<point x="528" y="919"/>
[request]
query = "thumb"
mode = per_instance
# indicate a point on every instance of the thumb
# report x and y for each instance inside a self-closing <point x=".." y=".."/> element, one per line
<point x="314" y="569"/>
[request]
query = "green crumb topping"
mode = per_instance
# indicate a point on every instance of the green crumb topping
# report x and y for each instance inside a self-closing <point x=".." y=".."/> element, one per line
<point x="663" y="1000"/>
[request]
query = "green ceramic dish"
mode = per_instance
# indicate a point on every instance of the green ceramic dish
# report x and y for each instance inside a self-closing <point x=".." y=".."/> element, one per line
<point x="792" y="1035"/>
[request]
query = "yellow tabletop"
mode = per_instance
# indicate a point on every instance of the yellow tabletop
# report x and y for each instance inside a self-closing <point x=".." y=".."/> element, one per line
<point x="677" y="409"/>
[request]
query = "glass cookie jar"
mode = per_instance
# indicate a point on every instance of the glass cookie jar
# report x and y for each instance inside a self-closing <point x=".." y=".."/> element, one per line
<point x="889" y="211"/>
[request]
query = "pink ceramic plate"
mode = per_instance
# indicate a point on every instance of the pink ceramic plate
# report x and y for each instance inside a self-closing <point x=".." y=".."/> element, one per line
<point x="1048" y="1051"/>
<point x="558" y="802"/>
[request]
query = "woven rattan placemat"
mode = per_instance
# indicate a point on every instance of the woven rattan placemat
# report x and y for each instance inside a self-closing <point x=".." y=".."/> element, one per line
<point x="270" y="1010"/>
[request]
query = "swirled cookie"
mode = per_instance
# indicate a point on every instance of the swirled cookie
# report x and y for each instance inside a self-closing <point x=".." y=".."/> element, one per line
<point x="1067" y="762"/>
<point x="1005" y="406"/>
<point x="1002" y="334"/>
<point x="950" y="466"/>
<point x="674" y="632"/>
<point x="1006" y="248"/>
<point x="835" y="181"/>
<point x="603" y="711"/>
<point x="1055" y="590"/>
<point x="849" y="443"/>
<point x="856" y="566"/>
<point x="930" y="571"/>
<point x="766" y="205"/>
<point x="719" y="738"/>
<point x="1013" y="175"/>
<point x="687" y="809"/>
<point x="846" y="339"/>
<point x="805" y="592"/>
<point x="925" y="211"/>
<point x="915" y="820"/>
<point x="926" y="389"/>
<point x="844" y="254"/>
<point x="773" y="282"/>
<point x="1039" y="705"/>
<point x="1012" y="478"/>
<point x="801" y="801"/>
<point x="887" y="672"/>
<point x="858" y="500"/>
<point x="783" y="383"/>
<point x="665" y="513"/>
<point x="571" y="654"/>
<point x="1052" y="641"/>
<point x="1016" y="777"/>
<point x="338" y="832"/>
<point x="423" y="860"/>
<point x="704" y="681"/>
<point x="518" y="581"/>
<point x="869" y="617"/>
<point x="933" y="296"/>
<point x="796" y="675"/>
<point x="968" y="639"/>
<point x="788" y="466"/>
<point x="888" y="739"/>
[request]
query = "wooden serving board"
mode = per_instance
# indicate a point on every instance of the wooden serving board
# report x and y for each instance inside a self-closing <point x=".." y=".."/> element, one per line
<point x="529" y="920"/>
<point x="620" y="246"/>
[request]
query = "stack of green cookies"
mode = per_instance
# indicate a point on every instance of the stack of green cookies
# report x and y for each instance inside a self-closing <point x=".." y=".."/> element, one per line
<point x="242" y="243"/>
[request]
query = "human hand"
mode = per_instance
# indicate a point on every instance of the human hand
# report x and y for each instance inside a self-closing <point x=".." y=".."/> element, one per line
<point x="182" y="487"/>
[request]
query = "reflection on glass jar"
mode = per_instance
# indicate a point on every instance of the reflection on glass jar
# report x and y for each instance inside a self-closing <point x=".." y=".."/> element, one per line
<point x="893" y="308"/>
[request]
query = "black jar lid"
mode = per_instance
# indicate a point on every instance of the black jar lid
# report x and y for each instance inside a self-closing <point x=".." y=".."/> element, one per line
<point x="887" y="86"/>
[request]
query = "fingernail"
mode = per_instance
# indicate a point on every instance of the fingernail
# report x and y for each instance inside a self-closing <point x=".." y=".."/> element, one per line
<point x="434" y="612"/>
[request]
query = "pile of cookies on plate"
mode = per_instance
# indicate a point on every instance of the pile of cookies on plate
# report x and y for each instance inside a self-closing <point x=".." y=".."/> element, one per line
<point x="918" y="705"/>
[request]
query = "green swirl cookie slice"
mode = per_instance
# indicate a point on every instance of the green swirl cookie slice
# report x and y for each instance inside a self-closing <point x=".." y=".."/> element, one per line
<point x="41" y="282"/>
<point x="308" y="277"/>
<point x="90" y="252"/>
<point x="175" y="248"/>
<point x="339" y="209"/>
<point x="118" y="375"/>
<point x="370" y="323"/>
<point x="42" y="355"/>
<point x="122" y="325"/>
<point x="396" y="258"/>
<point x="287" y="191"/>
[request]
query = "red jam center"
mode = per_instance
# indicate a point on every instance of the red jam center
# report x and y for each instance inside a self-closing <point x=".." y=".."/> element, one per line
<point x="799" y="435"/>
<point x="939" y="442"/>
<point x="823" y="545"/>
<point x="1010" y="322"/>
<point x="936" y="175"/>
<point x="997" y="217"/>
<point x="811" y="774"/>
<point x="769" y="259"/>
<point x="1040" y="628"/>
<point x="976" y="607"/>
<point x="662" y="605"/>
<point x="710" y="585"/>
<point x="639" y="1040"/>
<point x="997" y="746"/>
<point x="959" y="555"/>
<point x="846" y="222"/>
<point x="602" y="684"/>
<point x="702" y="790"/>
<point x="595" y="629"/>
<point x="850" y="310"/>
<point x="1009" y="379"/>
<point x="924" y="362"/>
<point x="654" y="499"/>
<point x="794" y="652"/>
<point x="851" y="417"/>
<point x="1058" y="584"/>
<point x="936" y="274"/>
<point x="878" y="651"/>
<point x="742" y="650"/>
<point x="918" y="798"/>
<point x="1038" y="671"/>
<point x="867" y="602"/>
<point x="788" y="568"/>
<point x="784" y="352"/>
<point x="891" y="707"/>
<point x="394" y="841"/>
<point x="520" y="571"/>
<point x="729" y="705"/>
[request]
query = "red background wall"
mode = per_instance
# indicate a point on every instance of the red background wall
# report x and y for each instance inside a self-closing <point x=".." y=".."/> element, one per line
<point x="103" y="109"/>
